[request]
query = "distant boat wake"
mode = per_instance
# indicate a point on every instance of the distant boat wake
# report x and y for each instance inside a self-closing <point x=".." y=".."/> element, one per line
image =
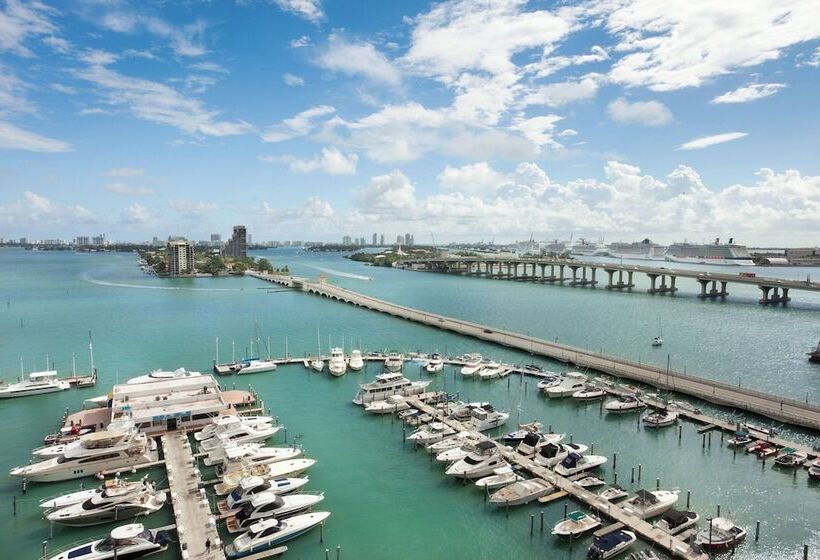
<point x="340" y="273"/>
<point x="143" y="287"/>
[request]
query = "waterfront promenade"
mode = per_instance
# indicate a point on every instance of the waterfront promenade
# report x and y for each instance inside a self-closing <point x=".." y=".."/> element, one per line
<point x="772" y="406"/>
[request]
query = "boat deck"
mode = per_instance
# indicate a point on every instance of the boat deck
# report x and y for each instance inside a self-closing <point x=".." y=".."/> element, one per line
<point x="194" y="521"/>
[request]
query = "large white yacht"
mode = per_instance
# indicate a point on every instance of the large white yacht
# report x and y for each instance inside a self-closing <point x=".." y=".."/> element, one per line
<point x="483" y="461"/>
<point x="394" y="362"/>
<point x="386" y="385"/>
<point x="356" y="361"/>
<point x="266" y="534"/>
<point x="126" y="541"/>
<point x="575" y="463"/>
<point x="160" y="375"/>
<point x="237" y="434"/>
<point x="110" y="505"/>
<point x="38" y="382"/>
<point x="92" y="453"/>
<point x="572" y="382"/>
<point x="268" y="504"/>
<point x="336" y="365"/>
<point x="472" y="364"/>
<point x="646" y="504"/>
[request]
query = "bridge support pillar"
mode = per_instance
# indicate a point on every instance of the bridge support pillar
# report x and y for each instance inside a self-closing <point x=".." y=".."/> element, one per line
<point x="775" y="296"/>
<point x="619" y="285"/>
<point x="713" y="291"/>
<point x="561" y="272"/>
<point x="664" y="287"/>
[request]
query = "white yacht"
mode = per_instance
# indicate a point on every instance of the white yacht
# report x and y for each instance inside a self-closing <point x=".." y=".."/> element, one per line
<point x="613" y="493"/>
<point x="491" y="370"/>
<point x="660" y="418"/>
<point x="356" y="361"/>
<point x="435" y="364"/>
<point x="534" y="441"/>
<point x="238" y="433"/>
<point x="647" y="504"/>
<point x="125" y="541"/>
<point x="390" y="405"/>
<point x="485" y="418"/>
<point x="590" y="482"/>
<point x="472" y="364"/>
<point x="589" y="393"/>
<point x="252" y="455"/>
<point x="282" y="469"/>
<point x="317" y="364"/>
<point x="268" y="504"/>
<point x="251" y="486"/>
<point x="266" y="534"/>
<point x="92" y="453"/>
<point x="553" y="453"/>
<point x="501" y="477"/>
<point x="431" y="433"/>
<point x="575" y="463"/>
<point x="479" y="463"/>
<point x="386" y="385"/>
<point x="549" y="379"/>
<point x="110" y="505"/>
<point x="115" y="484"/>
<point x="572" y="382"/>
<point x="160" y="375"/>
<point x="38" y="382"/>
<point x="610" y="545"/>
<point x="575" y="524"/>
<point x="522" y="492"/>
<point x="337" y="365"/>
<point x="453" y="442"/>
<point x="255" y="365"/>
<point x="675" y="522"/>
<point x="221" y="422"/>
<point x="624" y="404"/>
<point x="393" y="362"/>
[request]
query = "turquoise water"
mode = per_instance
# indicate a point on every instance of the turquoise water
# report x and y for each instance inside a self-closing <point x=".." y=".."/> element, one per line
<point x="387" y="500"/>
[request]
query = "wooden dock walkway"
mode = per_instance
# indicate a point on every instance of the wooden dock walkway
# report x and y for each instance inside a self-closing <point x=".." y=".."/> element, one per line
<point x="194" y="521"/>
<point x="772" y="406"/>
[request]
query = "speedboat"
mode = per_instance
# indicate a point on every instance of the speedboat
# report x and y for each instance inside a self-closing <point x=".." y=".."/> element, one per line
<point x="576" y="523"/>
<point x="501" y="477"/>
<point x="393" y="362"/>
<point x="610" y="545"/>
<point x="553" y="453"/>
<point x="113" y="484"/>
<point x="491" y="370"/>
<point x="253" y="454"/>
<point x="222" y="423"/>
<point x="530" y="444"/>
<point x="239" y="433"/>
<point x="431" y="433"/>
<point x="790" y="458"/>
<point x="255" y="365"/>
<point x="522" y="492"/>
<point x="386" y="385"/>
<point x="721" y="535"/>
<point x="549" y="379"/>
<point x="316" y="364"/>
<point x="92" y="453"/>
<point x="390" y="405"/>
<point x="264" y="535"/>
<point x="814" y="471"/>
<point x="251" y="486"/>
<point x="646" y="504"/>
<point x="756" y="446"/>
<point x="657" y="341"/>
<point x="472" y="364"/>
<point x="766" y="451"/>
<point x="336" y="365"/>
<point x="110" y="505"/>
<point x="575" y="463"/>
<point x="624" y="404"/>
<point x="518" y="435"/>
<point x="741" y="437"/>
<point x="435" y="364"/>
<point x="478" y="464"/>
<point x="613" y="493"/>
<point x="160" y="375"/>
<point x="660" y="418"/>
<point x="675" y="522"/>
<point x="268" y="504"/>
<point x="356" y="362"/>
<point x="38" y="382"/>
<point x="125" y="541"/>
<point x="454" y="442"/>
<point x="283" y="469"/>
<point x="589" y="393"/>
<point x="572" y="382"/>
<point x="590" y="482"/>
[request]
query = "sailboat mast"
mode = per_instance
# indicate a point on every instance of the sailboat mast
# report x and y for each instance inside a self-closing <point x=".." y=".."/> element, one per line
<point x="268" y="348"/>
<point x="216" y="348"/>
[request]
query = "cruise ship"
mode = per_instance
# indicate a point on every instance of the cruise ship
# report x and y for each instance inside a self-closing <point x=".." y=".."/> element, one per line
<point x="586" y="249"/>
<point x="639" y="251"/>
<point x="727" y="254"/>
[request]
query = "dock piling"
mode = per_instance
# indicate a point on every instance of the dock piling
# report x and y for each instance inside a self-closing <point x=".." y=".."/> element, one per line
<point x="639" y="472"/>
<point x="14" y="504"/>
<point x="688" y="498"/>
<point x="45" y="549"/>
<point x="703" y="444"/>
<point x="615" y="476"/>
<point x="757" y="531"/>
<point x="338" y="552"/>
<point x="327" y="554"/>
<point x="657" y="484"/>
<point x="805" y="552"/>
<point x="532" y="524"/>
<point x="614" y="460"/>
<point x="718" y="511"/>
<point x="542" y="520"/>
<point x="710" y="439"/>
<point x="632" y="481"/>
<point x="322" y="531"/>
<point x="680" y="432"/>
<point x="565" y="510"/>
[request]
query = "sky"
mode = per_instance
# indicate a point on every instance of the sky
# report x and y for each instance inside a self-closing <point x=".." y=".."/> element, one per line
<point x="455" y="121"/>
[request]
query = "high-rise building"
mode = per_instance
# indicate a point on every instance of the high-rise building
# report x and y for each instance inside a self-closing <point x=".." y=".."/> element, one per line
<point x="179" y="258"/>
<point x="250" y="239"/>
<point x="381" y="240"/>
<point x="399" y="239"/>
<point x="237" y="245"/>
<point x="407" y="239"/>
<point x="99" y="240"/>
<point x="375" y="239"/>
<point x="82" y="240"/>
<point x="216" y="238"/>
<point x="346" y="240"/>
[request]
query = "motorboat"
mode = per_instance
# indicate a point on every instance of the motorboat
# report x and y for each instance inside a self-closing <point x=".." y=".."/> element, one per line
<point x="38" y="382"/>
<point x="218" y="455"/>
<point x="160" y="375"/>
<point x="386" y="385"/>
<point x="390" y="405"/>
<point x="553" y="453"/>
<point x="624" y="404"/>
<point x="255" y="365"/>
<point x="268" y="504"/>
<point x="530" y="444"/>
<point x="814" y="471"/>
<point x="472" y="364"/>
<point x="647" y="504"/>
<point x="253" y="455"/>
<point x="501" y="477"/>
<point x="741" y="437"/>
<point x="660" y="418"/>
<point x="590" y="482"/>
<point x="720" y="535"/>
<point x="766" y="451"/>
<point x="589" y="393"/>
<point x="101" y="401"/>
<point x="790" y="458"/>
<point x="571" y="383"/>
<point x="479" y="463"/>
<point x="575" y="463"/>
<point x="337" y="365"/>
<point x="113" y="484"/>
<point x="241" y="433"/>
<point x="675" y="522"/>
<point x="522" y="492"/>
<point x="113" y="504"/>
<point x="491" y="370"/>
<point x="485" y="418"/>
<point x="222" y="423"/>
<point x="435" y="364"/>
<point x="317" y="364"/>
<point x="549" y="379"/>
<point x="610" y="545"/>
<point x="393" y="362"/>
<point x="645" y="554"/>
<point x="251" y="486"/>
<point x="431" y="433"/>
<point x="454" y="442"/>
<point x="272" y="471"/>
<point x="576" y="523"/>
<point x="657" y="341"/>
<point x="613" y="493"/>
<point x="517" y="436"/>
<point x="356" y="361"/>
<point x="757" y="446"/>
<point x="92" y="453"/>
<point x="126" y="541"/>
<point x="266" y="534"/>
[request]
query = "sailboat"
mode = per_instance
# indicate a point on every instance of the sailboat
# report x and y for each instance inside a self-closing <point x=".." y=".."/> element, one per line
<point x="317" y="363"/>
<point x="658" y="340"/>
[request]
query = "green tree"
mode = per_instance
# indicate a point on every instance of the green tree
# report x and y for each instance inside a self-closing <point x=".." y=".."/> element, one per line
<point x="264" y="265"/>
<point x="160" y="267"/>
<point x="240" y="267"/>
<point x="214" y="265"/>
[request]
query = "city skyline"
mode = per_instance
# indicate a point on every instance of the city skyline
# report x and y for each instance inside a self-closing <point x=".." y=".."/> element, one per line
<point x="458" y="121"/>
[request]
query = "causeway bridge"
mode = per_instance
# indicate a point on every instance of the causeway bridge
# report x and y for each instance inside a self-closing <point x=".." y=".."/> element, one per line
<point x="771" y="406"/>
<point x="570" y="272"/>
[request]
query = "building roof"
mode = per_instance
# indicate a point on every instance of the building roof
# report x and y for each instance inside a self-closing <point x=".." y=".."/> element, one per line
<point x="160" y="400"/>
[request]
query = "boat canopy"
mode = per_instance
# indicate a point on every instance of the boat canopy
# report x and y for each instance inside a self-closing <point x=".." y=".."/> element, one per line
<point x="42" y="374"/>
<point x="571" y="460"/>
<point x="577" y="515"/>
<point x="531" y="439"/>
<point x="644" y="497"/>
<point x="485" y="445"/>
<point x="675" y="518"/>
<point x="611" y="540"/>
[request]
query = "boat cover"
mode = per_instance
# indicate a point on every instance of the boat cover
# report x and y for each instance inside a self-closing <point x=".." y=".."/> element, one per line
<point x="644" y="497"/>
<point x="610" y="540"/>
<point x="571" y="460"/>
<point x="674" y="518"/>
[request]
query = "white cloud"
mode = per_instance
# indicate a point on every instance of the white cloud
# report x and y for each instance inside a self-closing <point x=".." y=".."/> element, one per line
<point x="126" y="172"/>
<point x="567" y="133"/>
<point x="193" y="209"/>
<point x="748" y="93"/>
<point x="300" y="42"/>
<point x="20" y="21"/>
<point x="13" y="98"/>
<point x="539" y="130"/>
<point x="137" y="214"/>
<point x="330" y="161"/>
<point x="129" y="190"/>
<point x="648" y="113"/>
<point x="298" y="125"/>
<point x="310" y="10"/>
<point x="210" y="67"/>
<point x="358" y="58"/>
<point x="15" y="138"/>
<point x="33" y="208"/>
<point x="293" y="80"/>
<point x="476" y="178"/>
<point x="391" y="193"/>
<point x="561" y="93"/>
<point x="64" y="89"/>
<point x="185" y="40"/>
<point x="706" y="141"/>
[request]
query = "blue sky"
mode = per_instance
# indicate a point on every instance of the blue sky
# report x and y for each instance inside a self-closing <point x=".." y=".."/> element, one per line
<point x="313" y="119"/>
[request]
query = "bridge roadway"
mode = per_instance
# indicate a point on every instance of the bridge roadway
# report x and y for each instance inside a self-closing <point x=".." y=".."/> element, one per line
<point x="772" y="406"/>
<point x="713" y="284"/>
